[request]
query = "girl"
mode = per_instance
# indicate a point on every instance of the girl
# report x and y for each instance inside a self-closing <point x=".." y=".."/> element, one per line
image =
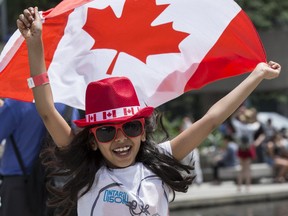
<point x="246" y="125"/>
<point x="114" y="165"/>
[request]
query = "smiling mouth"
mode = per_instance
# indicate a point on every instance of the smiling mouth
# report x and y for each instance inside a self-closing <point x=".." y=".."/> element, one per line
<point x="122" y="151"/>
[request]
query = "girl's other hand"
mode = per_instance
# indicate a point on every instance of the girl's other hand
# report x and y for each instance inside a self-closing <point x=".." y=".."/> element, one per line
<point x="29" y="23"/>
<point x="269" y="70"/>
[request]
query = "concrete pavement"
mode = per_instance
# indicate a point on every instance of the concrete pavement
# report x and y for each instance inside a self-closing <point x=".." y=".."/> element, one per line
<point x="211" y="195"/>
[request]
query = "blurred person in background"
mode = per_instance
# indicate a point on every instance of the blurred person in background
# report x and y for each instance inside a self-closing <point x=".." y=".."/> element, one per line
<point x="260" y="143"/>
<point x="21" y="124"/>
<point x="186" y="122"/>
<point x="269" y="129"/>
<point x="278" y="157"/>
<point x="262" y="136"/>
<point x="19" y="121"/>
<point x="228" y="158"/>
<point x="2" y="142"/>
<point x="284" y="132"/>
<point x="246" y="125"/>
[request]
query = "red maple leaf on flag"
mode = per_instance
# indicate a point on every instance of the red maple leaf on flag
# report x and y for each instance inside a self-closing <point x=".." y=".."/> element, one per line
<point x="132" y="33"/>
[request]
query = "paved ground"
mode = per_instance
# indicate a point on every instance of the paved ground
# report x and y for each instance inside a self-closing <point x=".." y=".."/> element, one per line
<point x="226" y="193"/>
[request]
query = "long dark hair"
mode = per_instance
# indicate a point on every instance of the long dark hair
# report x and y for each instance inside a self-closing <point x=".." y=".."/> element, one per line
<point x="78" y="163"/>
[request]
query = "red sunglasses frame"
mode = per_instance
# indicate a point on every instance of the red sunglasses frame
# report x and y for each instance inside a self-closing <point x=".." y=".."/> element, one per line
<point x="117" y="126"/>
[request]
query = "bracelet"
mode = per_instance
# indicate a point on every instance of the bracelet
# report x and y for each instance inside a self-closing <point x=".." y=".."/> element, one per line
<point x="38" y="80"/>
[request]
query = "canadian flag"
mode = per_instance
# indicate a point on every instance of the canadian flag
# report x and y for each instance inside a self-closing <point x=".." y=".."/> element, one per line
<point x="128" y="111"/>
<point x="165" y="47"/>
<point x="109" y="114"/>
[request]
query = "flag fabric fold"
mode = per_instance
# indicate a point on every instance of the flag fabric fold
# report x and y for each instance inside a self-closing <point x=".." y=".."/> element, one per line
<point x="165" y="47"/>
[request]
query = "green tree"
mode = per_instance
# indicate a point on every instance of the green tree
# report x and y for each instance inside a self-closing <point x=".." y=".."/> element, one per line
<point x="16" y="7"/>
<point x="266" y="14"/>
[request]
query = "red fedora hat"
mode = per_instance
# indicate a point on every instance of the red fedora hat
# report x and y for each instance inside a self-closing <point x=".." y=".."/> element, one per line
<point x="112" y="100"/>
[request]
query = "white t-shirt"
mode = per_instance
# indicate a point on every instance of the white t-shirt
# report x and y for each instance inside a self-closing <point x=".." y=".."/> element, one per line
<point x="134" y="190"/>
<point x="242" y="129"/>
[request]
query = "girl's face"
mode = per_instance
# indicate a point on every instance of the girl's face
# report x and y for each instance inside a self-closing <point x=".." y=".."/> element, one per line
<point x="122" y="149"/>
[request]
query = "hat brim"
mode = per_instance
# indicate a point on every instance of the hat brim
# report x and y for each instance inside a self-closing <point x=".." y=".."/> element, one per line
<point x="143" y="113"/>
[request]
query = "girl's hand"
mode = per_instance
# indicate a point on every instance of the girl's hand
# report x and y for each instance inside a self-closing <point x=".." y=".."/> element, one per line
<point x="29" y="23"/>
<point x="269" y="70"/>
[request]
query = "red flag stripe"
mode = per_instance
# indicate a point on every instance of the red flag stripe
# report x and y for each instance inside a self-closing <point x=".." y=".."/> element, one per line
<point x="65" y="6"/>
<point x="222" y="61"/>
<point x="15" y="42"/>
<point x="18" y="73"/>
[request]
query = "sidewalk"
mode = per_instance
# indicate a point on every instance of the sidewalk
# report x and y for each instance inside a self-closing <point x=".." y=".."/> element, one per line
<point x="226" y="193"/>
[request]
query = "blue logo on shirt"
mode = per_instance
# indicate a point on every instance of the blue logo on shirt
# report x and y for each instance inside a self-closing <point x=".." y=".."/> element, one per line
<point x="114" y="196"/>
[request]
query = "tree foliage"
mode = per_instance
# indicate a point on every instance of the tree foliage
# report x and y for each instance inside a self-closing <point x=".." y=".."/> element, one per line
<point x="266" y="14"/>
<point x="15" y="7"/>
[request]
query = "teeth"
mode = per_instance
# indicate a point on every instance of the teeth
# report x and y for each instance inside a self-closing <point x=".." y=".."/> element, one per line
<point x="122" y="149"/>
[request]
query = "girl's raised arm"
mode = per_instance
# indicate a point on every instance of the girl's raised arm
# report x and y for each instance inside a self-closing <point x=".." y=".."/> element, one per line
<point x="221" y="110"/>
<point x="30" y="26"/>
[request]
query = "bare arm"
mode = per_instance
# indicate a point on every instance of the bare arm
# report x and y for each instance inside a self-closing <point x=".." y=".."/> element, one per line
<point x="30" y="26"/>
<point x="221" y="110"/>
<point x="259" y="139"/>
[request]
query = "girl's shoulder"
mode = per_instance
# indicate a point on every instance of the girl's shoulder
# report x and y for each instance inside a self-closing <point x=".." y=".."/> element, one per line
<point x="165" y="147"/>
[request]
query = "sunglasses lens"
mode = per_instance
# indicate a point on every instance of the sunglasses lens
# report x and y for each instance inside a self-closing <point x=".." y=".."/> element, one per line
<point x="105" y="134"/>
<point x="133" y="129"/>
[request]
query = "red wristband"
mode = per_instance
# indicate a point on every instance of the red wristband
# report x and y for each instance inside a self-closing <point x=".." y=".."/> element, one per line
<point x="38" y="80"/>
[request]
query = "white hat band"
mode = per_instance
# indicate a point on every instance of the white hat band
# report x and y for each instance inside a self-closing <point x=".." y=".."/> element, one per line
<point x="112" y="114"/>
